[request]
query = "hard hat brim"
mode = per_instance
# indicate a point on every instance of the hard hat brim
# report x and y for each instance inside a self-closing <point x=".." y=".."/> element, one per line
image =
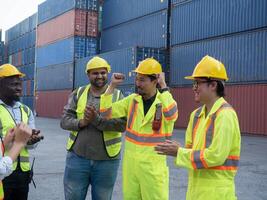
<point x="189" y="77"/>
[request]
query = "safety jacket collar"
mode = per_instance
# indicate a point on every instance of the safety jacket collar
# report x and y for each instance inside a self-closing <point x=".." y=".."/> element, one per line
<point x="16" y="105"/>
<point x="216" y="106"/>
<point x="149" y="115"/>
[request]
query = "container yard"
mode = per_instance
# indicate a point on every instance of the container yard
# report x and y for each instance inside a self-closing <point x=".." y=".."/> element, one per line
<point x="53" y="45"/>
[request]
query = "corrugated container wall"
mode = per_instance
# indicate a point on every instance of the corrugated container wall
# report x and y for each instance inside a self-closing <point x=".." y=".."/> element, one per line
<point x="51" y="103"/>
<point x="73" y="22"/>
<point x="65" y="51"/>
<point x="244" y="56"/>
<point x="2" y="52"/>
<point x="51" y="8"/>
<point x="123" y="61"/>
<point x="119" y="11"/>
<point x="55" y="77"/>
<point x="150" y="31"/>
<point x="196" y="20"/>
<point x="249" y="101"/>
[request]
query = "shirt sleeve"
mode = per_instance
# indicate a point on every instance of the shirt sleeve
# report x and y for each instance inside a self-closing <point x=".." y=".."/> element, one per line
<point x="31" y="121"/>
<point x="69" y="119"/>
<point x="169" y="106"/>
<point x="117" y="109"/>
<point x="5" y="167"/>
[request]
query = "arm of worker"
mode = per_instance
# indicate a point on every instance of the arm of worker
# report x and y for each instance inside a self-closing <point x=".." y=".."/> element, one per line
<point x="20" y="135"/>
<point x="218" y="151"/>
<point x="69" y="119"/>
<point x="36" y="136"/>
<point x="115" y="124"/>
<point x="117" y="109"/>
<point x="169" y="105"/>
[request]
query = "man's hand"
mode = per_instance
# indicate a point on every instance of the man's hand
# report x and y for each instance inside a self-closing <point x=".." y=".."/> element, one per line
<point x="22" y="134"/>
<point x="89" y="114"/>
<point x="116" y="79"/>
<point x="169" y="148"/>
<point x="161" y="80"/>
<point x="36" y="137"/>
<point x="9" y="138"/>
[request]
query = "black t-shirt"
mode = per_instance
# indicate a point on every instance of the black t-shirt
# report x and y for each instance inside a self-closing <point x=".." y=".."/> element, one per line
<point x="147" y="103"/>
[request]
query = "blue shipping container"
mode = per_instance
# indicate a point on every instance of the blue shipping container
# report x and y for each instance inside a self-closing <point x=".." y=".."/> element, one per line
<point x="119" y="11"/>
<point x="244" y="56"/>
<point x="55" y="77"/>
<point x="28" y="70"/>
<point x="51" y="8"/>
<point x="149" y="31"/>
<point x="196" y="20"/>
<point x="65" y="51"/>
<point x="123" y="61"/>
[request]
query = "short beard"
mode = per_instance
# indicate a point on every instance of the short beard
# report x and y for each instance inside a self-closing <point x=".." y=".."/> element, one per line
<point x="94" y="83"/>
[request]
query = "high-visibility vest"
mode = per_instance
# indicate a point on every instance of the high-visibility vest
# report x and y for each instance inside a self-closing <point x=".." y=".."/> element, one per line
<point x="112" y="139"/>
<point x="231" y="163"/>
<point x="8" y="122"/>
<point x="211" y="153"/>
<point x="139" y="127"/>
<point x="140" y="159"/>
<point x="1" y="184"/>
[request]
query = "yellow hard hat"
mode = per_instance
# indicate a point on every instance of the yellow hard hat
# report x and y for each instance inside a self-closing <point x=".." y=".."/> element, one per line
<point x="7" y="70"/>
<point x="96" y="63"/>
<point x="149" y="66"/>
<point x="209" y="67"/>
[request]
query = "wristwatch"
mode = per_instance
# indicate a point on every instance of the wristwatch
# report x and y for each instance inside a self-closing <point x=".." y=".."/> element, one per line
<point x="164" y="89"/>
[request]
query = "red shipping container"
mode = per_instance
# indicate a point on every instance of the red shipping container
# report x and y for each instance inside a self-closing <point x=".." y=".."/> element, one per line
<point x="73" y="22"/>
<point x="249" y="101"/>
<point x="51" y="103"/>
<point x="92" y="24"/>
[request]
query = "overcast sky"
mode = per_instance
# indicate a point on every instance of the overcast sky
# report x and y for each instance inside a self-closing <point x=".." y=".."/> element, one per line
<point x="15" y="11"/>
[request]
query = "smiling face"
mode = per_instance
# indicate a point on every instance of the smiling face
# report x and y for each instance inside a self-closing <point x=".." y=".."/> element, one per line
<point x="11" y="88"/>
<point x="145" y="86"/>
<point x="203" y="89"/>
<point x="98" y="77"/>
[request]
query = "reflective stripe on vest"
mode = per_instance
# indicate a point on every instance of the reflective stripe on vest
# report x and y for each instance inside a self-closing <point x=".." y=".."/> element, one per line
<point x="197" y="157"/>
<point x="112" y="139"/>
<point x="170" y="112"/>
<point x="1" y="191"/>
<point x="148" y="139"/>
<point x="8" y="122"/>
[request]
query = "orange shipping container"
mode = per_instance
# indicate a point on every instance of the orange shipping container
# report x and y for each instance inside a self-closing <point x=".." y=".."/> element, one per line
<point x="249" y="101"/>
<point x="51" y="103"/>
<point x="73" y="22"/>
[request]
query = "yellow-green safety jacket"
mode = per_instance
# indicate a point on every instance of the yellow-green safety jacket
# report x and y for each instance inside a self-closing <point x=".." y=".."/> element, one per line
<point x="112" y="139"/>
<point x="145" y="173"/>
<point x="211" y="153"/>
<point x="7" y="123"/>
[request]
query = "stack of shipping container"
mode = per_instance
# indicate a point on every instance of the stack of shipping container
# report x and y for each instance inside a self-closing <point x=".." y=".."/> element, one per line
<point x="132" y="30"/>
<point x="124" y="61"/>
<point x="66" y="31"/>
<point x="178" y="33"/>
<point x="20" y="40"/>
<point x="2" y="49"/>
<point x="235" y="33"/>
